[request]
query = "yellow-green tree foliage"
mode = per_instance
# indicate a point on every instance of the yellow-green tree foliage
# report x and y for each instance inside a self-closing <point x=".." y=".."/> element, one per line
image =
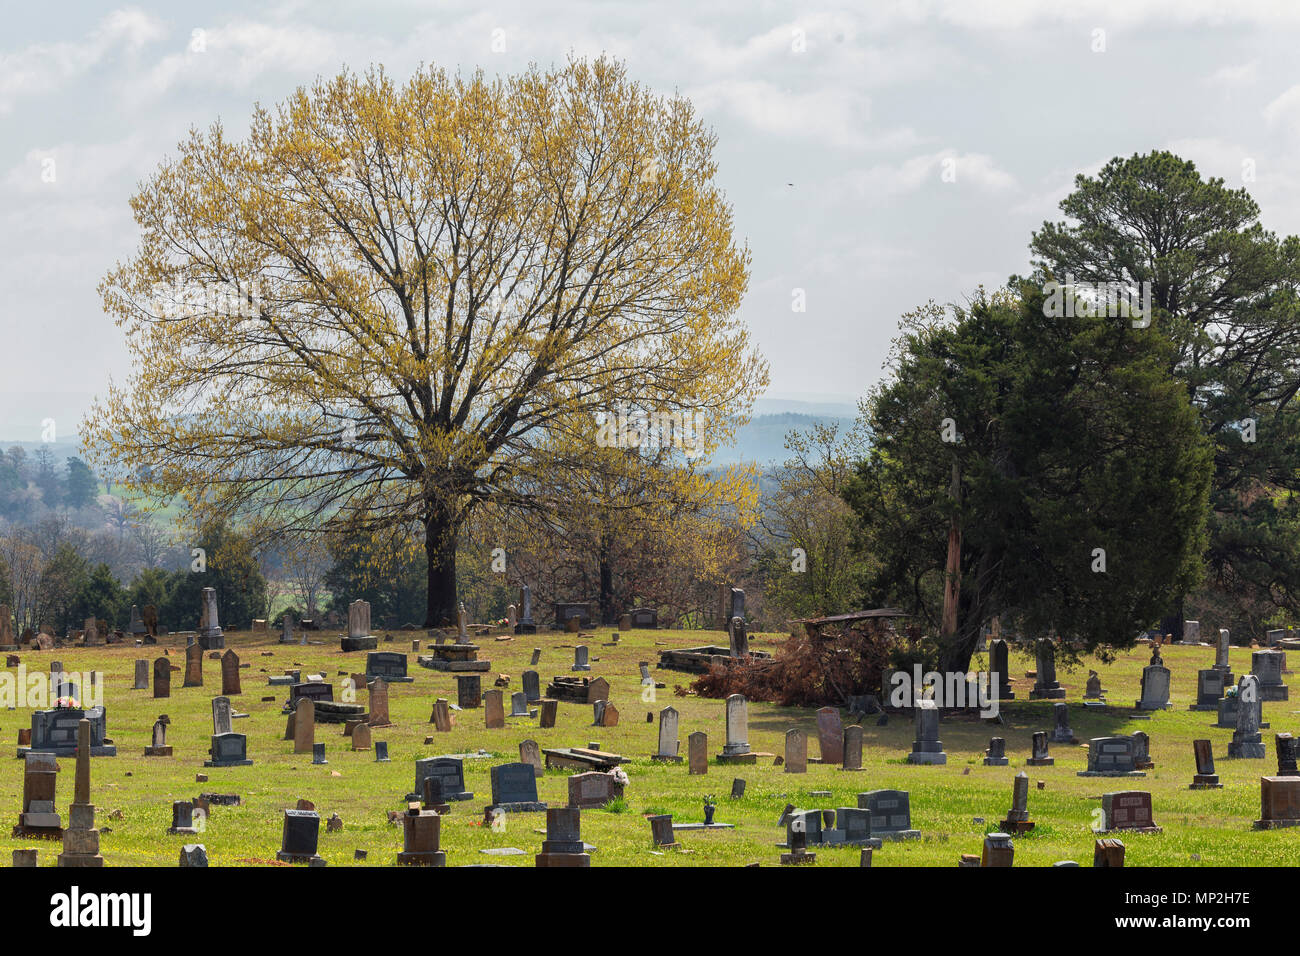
<point x="379" y="307"/>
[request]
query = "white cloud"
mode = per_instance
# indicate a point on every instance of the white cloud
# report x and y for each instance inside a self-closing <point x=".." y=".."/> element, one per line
<point x="884" y="180"/>
<point x="44" y="67"/>
<point x="1234" y="77"/>
<point x="1284" y="110"/>
<point x="835" y="117"/>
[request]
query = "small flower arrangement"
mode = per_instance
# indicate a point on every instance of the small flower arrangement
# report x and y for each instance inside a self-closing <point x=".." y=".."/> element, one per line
<point x="619" y="775"/>
<point x="67" y="703"/>
<point x="710" y="800"/>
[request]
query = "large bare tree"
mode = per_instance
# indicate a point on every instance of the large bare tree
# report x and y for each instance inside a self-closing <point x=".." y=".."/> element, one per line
<point x="385" y="304"/>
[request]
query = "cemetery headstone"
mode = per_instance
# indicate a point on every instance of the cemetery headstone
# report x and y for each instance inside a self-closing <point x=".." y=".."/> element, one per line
<point x="550" y="710"/>
<point x="1205" y="777"/>
<point x="468" y="691"/>
<point x="81" y="838"/>
<point x="230" y="674"/>
<point x="1127" y="810"/>
<point x="796" y="751"/>
<point x="563" y="845"/>
<point x="494" y="713"/>
<point x="853" y="748"/>
<point x="193" y="665"/>
<point x="1017" y="820"/>
<point x="736" y="749"/>
<point x="830" y="735"/>
<point x="1112" y="757"/>
<point x="1267" y="666"/>
<point x="668" y="743"/>
<point x="927" y="748"/>
<point x="1279" y="799"/>
<point x="531" y="754"/>
<point x="697" y="752"/>
<point x="1246" y="740"/>
<point x="1046" y="686"/>
<point x="378" y="694"/>
<point x="1061" y="732"/>
<point x="421" y="838"/>
<point x="300" y="837"/>
<point x="304" y="726"/>
<point x="891" y="814"/>
<point x="1039" y="756"/>
<point x="999" y="671"/>
<point x="1155" y="687"/>
<point x="998" y="850"/>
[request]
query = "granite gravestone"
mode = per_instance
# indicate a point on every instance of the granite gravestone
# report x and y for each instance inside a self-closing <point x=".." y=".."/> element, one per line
<point x="830" y="735"/>
<point x="1039" y="756"/>
<point x="514" y="790"/>
<point x="358" y="637"/>
<point x="736" y="749"/>
<point x="999" y="671"/>
<point x="1205" y="777"/>
<point x="796" y="751"/>
<point x="211" y="637"/>
<point x="230" y="674"/>
<point x="1210" y="685"/>
<point x="1046" y="686"/>
<point x="891" y="814"/>
<point x="563" y="845"/>
<point x="532" y="686"/>
<point x="697" y="753"/>
<point x="1279" y="799"/>
<point x="1017" y="820"/>
<point x="1061" y="732"/>
<point x="1127" y="810"/>
<point x="853" y="748"/>
<point x="451" y="773"/>
<point x="1246" y="740"/>
<point x="193" y="665"/>
<point x="927" y="748"/>
<point x="468" y="692"/>
<point x="1111" y="757"/>
<point x="421" y="838"/>
<point x="668" y="742"/>
<point x="1267" y="666"/>
<point x="1155" y="688"/>
<point x="299" y="837"/>
<point x="388" y="665"/>
<point x="228" y="750"/>
<point x="593" y="790"/>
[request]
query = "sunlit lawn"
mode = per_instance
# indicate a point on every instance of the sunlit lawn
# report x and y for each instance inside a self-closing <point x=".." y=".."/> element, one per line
<point x="953" y="805"/>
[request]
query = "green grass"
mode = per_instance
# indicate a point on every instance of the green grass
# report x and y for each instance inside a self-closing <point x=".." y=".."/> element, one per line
<point x="1212" y="825"/>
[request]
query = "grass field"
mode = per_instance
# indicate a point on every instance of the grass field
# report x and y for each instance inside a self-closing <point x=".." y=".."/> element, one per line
<point x="1201" y="828"/>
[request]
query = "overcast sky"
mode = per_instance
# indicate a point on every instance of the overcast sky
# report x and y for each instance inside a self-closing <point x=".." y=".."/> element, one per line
<point x="834" y="122"/>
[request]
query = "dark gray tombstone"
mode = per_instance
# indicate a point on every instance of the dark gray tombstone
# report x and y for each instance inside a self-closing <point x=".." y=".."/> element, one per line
<point x="514" y="788"/>
<point x="450" y="770"/>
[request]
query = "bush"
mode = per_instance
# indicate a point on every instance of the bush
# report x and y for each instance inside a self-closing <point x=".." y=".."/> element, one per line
<point x="808" y="671"/>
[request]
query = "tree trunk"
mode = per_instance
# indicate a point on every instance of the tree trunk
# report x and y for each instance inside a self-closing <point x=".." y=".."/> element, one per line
<point x="440" y="548"/>
<point x="606" y="586"/>
<point x="1172" y="623"/>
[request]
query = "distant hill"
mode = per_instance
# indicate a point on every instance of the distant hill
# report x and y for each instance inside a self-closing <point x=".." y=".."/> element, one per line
<point x="763" y="440"/>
